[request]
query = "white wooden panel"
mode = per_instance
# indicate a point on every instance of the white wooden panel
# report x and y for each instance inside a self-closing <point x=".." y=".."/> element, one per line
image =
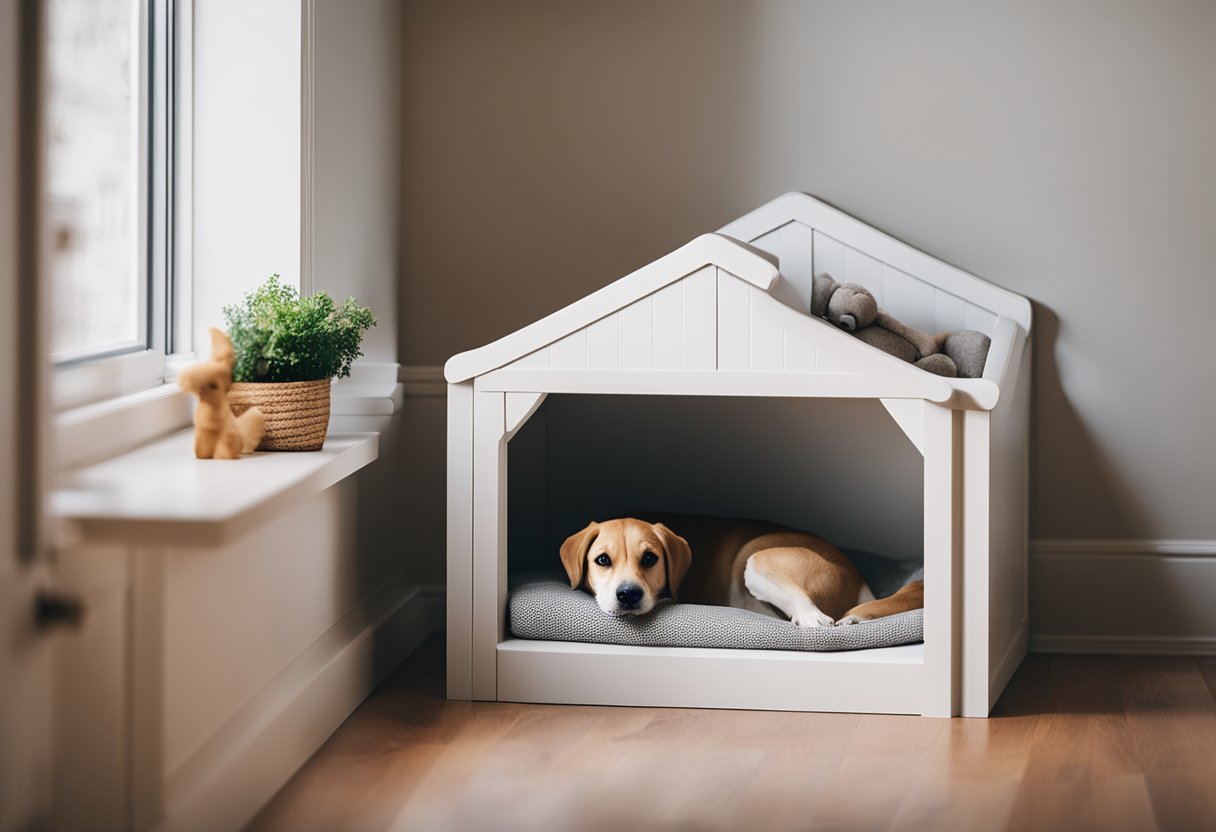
<point x="635" y="331"/>
<point x="798" y="259"/>
<point x="800" y="352"/>
<point x="767" y="338"/>
<point x="701" y="319"/>
<point x="460" y="541"/>
<point x="667" y="337"/>
<point x="722" y="383"/>
<point x="949" y="312"/>
<point x="570" y="353"/>
<point x="538" y="360"/>
<point x="603" y="351"/>
<point x="828" y="256"/>
<point x="976" y="644"/>
<point x="91" y="694"/>
<point x="734" y="323"/>
<point x="240" y="767"/>
<point x="520" y="407"/>
<point x="1007" y="588"/>
<point x="828" y="359"/>
<point x="753" y="266"/>
<point x="865" y="270"/>
<point x="149" y="737"/>
<point x="489" y="539"/>
<point x="942" y="504"/>
<point x="771" y="243"/>
<point x="909" y="414"/>
<point x="980" y="319"/>
<point x="217" y="656"/>
<point x="884" y="680"/>
<point x="908" y="299"/>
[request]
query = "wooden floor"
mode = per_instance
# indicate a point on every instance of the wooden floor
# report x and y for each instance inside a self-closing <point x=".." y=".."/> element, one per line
<point x="1076" y="743"/>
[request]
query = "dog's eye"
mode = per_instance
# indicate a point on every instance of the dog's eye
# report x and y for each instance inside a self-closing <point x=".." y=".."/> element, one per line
<point x="649" y="559"/>
<point x="604" y="560"/>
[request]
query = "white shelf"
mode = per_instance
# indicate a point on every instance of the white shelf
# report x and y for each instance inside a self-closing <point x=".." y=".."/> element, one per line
<point x="161" y="495"/>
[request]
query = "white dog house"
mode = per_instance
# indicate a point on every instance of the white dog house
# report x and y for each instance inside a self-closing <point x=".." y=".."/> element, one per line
<point x="701" y="383"/>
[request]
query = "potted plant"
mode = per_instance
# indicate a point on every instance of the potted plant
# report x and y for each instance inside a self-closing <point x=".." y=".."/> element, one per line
<point x="288" y="349"/>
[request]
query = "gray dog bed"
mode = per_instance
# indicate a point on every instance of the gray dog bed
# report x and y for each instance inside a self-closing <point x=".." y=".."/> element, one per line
<point x="549" y="610"/>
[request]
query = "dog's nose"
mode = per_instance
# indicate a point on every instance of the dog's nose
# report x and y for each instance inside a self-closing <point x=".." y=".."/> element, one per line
<point x="629" y="595"/>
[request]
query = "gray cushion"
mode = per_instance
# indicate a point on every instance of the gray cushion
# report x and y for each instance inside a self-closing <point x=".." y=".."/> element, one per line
<point x="550" y="610"/>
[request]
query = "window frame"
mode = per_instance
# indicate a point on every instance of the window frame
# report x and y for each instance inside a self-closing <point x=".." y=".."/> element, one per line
<point x="164" y="252"/>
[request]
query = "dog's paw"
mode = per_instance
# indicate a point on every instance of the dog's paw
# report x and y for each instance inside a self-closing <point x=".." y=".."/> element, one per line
<point x="849" y="619"/>
<point x="812" y="618"/>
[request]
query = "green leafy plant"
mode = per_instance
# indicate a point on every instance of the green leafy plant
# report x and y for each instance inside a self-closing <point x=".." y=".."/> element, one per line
<point x="279" y="336"/>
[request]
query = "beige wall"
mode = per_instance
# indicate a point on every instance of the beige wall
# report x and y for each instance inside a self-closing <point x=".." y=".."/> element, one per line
<point x="1062" y="150"/>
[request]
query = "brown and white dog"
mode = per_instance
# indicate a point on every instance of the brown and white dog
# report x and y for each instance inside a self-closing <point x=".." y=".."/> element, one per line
<point x="628" y="564"/>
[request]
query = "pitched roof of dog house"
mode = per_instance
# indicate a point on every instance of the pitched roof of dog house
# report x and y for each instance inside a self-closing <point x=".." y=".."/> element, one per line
<point x="810" y="235"/>
<point x="720" y="304"/>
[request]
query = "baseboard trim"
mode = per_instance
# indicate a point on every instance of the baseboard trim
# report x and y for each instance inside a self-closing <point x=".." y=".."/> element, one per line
<point x="423" y="381"/>
<point x="1082" y="591"/>
<point x="1126" y="645"/>
<point x="226" y="782"/>
<point x="1053" y="547"/>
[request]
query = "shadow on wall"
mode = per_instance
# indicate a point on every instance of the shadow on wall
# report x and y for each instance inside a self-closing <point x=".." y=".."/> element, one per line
<point x="1073" y="479"/>
<point x="403" y="494"/>
<point x="1068" y="466"/>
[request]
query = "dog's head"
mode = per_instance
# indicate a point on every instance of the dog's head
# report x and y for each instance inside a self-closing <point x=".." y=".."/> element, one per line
<point x="209" y="380"/>
<point x="626" y="564"/>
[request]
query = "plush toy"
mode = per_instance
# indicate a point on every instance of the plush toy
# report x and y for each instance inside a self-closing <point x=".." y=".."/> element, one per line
<point x="852" y="307"/>
<point x="217" y="433"/>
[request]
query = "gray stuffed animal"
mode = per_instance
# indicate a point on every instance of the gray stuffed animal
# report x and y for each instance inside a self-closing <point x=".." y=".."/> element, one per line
<point x="852" y="307"/>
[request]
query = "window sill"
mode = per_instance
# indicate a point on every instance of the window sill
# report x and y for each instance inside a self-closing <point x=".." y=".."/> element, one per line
<point x="106" y="429"/>
<point x="95" y="432"/>
<point x="160" y="494"/>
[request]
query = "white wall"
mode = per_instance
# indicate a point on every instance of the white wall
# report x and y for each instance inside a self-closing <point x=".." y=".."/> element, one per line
<point x="1061" y="150"/>
<point x="247" y="88"/>
<point x="356" y="160"/>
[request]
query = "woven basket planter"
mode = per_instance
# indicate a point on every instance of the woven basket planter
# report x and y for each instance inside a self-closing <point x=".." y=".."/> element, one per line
<point x="297" y="412"/>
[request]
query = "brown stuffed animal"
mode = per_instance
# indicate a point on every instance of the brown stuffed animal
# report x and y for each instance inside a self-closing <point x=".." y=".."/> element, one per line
<point x="217" y="433"/>
<point x="852" y="307"/>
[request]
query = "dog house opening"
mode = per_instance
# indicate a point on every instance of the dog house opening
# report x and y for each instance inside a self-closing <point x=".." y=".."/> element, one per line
<point x="840" y="468"/>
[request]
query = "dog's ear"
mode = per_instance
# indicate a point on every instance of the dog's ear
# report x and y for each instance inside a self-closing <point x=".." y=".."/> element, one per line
<point x="221" y="348"/>
<point x="679" y="557"/>
<point x="574" y="554"/>
<point x="190" y="378"/>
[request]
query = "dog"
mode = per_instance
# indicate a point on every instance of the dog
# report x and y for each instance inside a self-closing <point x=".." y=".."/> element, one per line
<point x="628" y="564"/>
<point x="218" y="434"/>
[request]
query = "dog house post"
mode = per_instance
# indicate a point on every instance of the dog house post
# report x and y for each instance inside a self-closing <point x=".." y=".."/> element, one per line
<point x="975" y="634"/>
<point x="943" y="506"/>
<point x="460" y="541"/>
<point x="489" y="539"/>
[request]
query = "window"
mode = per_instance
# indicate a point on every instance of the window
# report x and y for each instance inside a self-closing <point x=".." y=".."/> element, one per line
<point x="110" y="128"/>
